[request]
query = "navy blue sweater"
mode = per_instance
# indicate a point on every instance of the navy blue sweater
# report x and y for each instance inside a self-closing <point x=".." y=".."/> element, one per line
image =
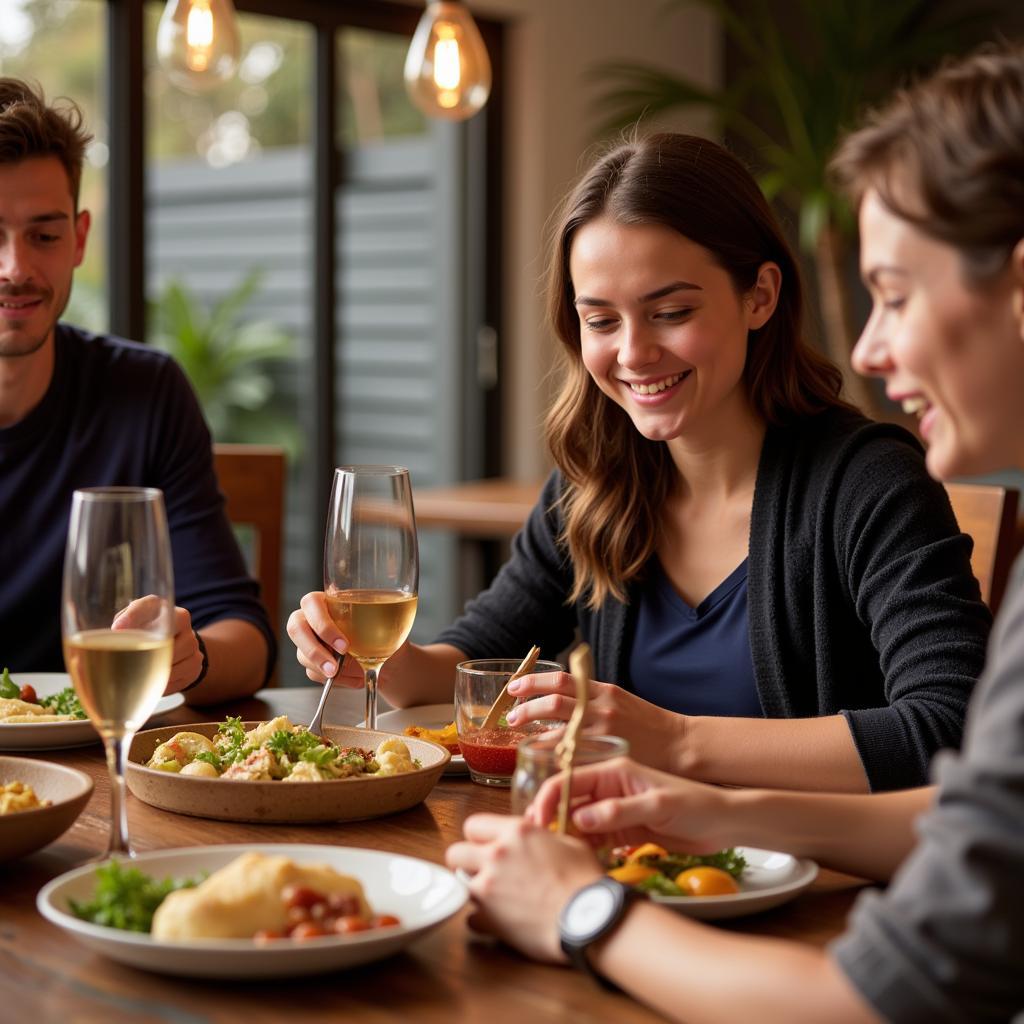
<point x="115" y="413"/>
<point x="860" y="594"/>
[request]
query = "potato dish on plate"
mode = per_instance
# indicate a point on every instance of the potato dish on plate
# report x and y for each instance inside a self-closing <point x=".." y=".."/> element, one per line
<point x="256" y="896"/>
<point x="391" y="773"/>
<point x="276" y="750"/>
<point x="21" y="704"/>
<point x="196" y="912"/>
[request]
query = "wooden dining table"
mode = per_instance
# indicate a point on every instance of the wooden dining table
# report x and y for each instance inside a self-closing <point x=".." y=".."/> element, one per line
<point x="447" y="976"/>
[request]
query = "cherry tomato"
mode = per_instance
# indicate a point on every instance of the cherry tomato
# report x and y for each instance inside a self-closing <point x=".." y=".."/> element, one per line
<point x="296" y="915"/>
<point x="307" y="930"/>
<point x="300" y="896"/>
<point x="351" y="923"/>
<point x="343" y="904"/>
<point x="28" y="694"/>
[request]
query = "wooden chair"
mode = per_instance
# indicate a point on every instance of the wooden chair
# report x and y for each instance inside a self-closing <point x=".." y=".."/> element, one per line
<point x="988" y="514"/>
<point x="252" y="479"/>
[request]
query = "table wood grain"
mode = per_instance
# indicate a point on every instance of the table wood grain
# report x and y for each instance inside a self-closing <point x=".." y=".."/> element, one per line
<point x="446" y="977"/>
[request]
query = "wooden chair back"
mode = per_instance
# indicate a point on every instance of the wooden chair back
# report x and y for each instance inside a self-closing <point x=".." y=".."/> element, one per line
<point x="988" y="514"/>
<point x="252" y="480"/>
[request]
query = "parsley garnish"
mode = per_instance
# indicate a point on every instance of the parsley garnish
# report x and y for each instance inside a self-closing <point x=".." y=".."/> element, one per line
<point x="726" y="860"/>
<point x="230" y="743"/>
<point x="64" y="703"/>
<point x="660" y="884"/>
<point x="126" y="898"/>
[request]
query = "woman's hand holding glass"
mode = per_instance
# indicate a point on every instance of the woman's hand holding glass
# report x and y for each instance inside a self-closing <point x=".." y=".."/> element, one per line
<point x="657" y="734"/>
<point x="320" y="646"/>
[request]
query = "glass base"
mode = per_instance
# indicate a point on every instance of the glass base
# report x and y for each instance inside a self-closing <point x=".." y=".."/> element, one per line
<point x="491" y="780"/>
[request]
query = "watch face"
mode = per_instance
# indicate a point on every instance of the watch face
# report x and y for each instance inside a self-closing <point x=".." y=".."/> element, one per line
<point x="589" y="910"/>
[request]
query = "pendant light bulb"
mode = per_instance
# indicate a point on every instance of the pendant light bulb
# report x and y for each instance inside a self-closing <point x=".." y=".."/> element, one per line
<point x="447" y="70"/>
<point x="197" y="43"/>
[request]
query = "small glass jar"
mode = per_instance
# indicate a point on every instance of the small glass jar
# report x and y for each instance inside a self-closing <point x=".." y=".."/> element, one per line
<point x="535" y="761"/>
<point x="490" y="754"/>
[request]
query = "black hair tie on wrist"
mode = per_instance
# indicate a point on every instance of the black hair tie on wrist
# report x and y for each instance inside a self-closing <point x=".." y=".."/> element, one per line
<point x="205" y="666"/>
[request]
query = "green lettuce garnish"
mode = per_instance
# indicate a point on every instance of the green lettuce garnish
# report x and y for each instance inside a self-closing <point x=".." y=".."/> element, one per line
<point x="126" y="898"/>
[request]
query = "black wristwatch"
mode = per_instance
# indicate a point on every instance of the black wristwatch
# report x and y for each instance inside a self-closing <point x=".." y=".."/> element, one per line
<point x="591" y="913"/>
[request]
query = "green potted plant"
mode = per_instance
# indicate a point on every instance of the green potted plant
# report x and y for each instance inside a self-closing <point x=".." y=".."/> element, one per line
<point x="227" y="358"/>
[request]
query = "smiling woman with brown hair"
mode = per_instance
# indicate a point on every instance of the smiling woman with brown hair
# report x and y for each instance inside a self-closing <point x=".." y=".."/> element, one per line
<point x="774" y="590"/>
<point x="937" y="177"/>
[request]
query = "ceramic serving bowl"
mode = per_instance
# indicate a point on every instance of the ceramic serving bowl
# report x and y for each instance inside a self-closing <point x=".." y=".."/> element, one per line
<point x="284" y="802"/>
<point x="68" y="791"/>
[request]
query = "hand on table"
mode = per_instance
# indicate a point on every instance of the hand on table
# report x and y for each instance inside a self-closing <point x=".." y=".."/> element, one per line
<point x="655" y="735"/>
<point x="187" y="659"/>
<point x="622" y="802"/>
<point x="521" y="877"/>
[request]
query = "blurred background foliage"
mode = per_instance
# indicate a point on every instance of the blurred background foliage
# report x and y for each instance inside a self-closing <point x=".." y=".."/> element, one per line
<point x="227" y="357"/>
<point x="800" y="75"/>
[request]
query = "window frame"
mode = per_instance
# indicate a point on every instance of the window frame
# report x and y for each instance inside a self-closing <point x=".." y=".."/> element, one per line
<point x="126" y="250"/>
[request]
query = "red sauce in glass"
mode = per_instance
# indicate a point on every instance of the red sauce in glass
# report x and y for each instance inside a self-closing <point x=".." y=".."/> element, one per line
<point x="493" y="751"/>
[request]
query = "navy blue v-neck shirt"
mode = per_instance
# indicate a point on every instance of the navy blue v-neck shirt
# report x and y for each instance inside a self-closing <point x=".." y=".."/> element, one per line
<point x="695" y="661"/>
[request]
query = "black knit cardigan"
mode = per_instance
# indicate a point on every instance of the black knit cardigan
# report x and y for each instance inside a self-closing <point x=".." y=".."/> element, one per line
<point x="861" y="599"/>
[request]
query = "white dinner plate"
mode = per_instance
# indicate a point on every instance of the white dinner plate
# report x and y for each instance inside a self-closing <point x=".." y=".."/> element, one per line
<point x="429" y="716"/>
<point x="770" y="878"/>
<point x="420" y="894"/>
<point x="55" y="735"/>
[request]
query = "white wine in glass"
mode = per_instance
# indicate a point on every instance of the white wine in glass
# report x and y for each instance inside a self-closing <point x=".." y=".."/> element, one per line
<point x="117" y="620"/>
<point x="371" y="566"/>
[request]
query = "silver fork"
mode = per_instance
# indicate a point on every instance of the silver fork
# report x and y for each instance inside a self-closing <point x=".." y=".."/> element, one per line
<point x="317" y="722"/>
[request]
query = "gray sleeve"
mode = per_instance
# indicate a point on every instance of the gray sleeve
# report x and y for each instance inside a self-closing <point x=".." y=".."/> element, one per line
<point x="526" y="603"/>
<point x="946" y="941"/>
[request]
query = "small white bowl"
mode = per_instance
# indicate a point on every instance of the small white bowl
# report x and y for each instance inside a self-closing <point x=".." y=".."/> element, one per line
<point x="67" y="789"/>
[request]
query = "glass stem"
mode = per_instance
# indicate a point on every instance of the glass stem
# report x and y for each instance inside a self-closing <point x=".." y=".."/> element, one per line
<point x="117" y="756"/>
<point x="370" y="679"/>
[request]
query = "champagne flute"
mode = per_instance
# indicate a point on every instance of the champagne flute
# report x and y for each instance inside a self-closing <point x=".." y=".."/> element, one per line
<point x="371" y="566"/>
<point x="117" y="621"/>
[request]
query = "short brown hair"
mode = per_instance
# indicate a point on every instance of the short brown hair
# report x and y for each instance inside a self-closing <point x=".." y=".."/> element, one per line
<point x="29" y="128"/>
<point x="947" y="155"/>
<point x="617" y="479"/>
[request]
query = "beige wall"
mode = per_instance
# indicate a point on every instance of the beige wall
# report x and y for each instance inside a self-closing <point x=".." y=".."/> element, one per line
<point x="551" y="45"/>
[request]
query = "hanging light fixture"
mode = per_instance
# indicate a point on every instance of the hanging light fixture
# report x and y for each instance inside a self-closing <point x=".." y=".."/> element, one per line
<point x="197" y="43"/>
<point x="447" y="70"/>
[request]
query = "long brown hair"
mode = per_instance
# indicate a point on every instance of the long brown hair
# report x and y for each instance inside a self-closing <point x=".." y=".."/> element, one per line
<point x="617" y="479"/>
<point x="29" y="128"/>
<point x="947" y="155"/>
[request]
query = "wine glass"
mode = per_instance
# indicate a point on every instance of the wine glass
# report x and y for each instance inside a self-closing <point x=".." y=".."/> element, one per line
<point x="371" y="566"/>
<point x="117" y="621"/>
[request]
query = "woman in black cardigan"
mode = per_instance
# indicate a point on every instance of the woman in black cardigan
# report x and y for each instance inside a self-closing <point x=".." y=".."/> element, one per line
<point x="775" y="590"/>
<point x="938" y="177"/>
